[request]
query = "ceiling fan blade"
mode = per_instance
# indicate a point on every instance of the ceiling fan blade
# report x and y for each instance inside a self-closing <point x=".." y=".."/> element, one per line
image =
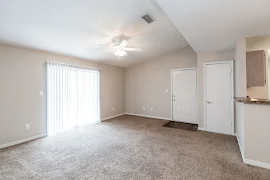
<point x="132" y="49"/>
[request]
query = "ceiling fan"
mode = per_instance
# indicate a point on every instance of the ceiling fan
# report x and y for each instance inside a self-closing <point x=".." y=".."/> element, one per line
<point x="118" y="46"/>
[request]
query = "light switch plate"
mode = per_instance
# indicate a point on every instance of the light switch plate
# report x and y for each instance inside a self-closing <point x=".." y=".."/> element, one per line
<point x="27" y="126"/>
<point x="41" y="93"/>
<point x="167" y="90"/>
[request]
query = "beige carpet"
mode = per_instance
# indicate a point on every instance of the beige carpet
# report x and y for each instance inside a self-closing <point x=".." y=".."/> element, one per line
<point x="128" y="147"/>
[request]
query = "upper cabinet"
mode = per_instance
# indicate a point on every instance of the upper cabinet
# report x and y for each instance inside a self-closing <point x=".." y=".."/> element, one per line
<point x="256" y="68"/>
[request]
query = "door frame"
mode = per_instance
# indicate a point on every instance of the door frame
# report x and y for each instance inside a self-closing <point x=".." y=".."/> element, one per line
<point x="171" y="74"/>
<point x="231" y="62"/>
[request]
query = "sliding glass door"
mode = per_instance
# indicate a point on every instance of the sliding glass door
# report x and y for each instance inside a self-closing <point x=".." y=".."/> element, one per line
<point x="72" y="97"/>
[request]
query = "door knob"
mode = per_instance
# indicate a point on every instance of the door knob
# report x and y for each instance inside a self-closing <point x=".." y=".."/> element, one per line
<point x="208" y="102"/>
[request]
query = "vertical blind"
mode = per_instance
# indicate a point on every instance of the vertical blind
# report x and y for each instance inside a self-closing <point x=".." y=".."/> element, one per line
<point x="73" y="97"/>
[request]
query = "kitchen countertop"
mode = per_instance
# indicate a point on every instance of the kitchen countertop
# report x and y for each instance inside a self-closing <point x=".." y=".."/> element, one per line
<point x="248" y="100"/>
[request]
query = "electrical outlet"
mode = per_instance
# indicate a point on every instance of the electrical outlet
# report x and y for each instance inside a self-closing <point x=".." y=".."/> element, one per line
<point x="144" y="108"/>
<point x="27" y="126"/>
<point x="152" y="109"/>
<point x="112" y="109"/>
<point x="167" y="90"/>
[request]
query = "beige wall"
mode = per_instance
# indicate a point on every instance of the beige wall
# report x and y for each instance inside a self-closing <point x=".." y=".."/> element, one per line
<point x="240" y="69"/>
<point x="240" y="77"/>
<point x="268" y="73"/>
<point x="240" y="86"/>
<point x="146" y="82"/>
<point x="204" y="58"/>
<point x="255" y="44"/>
<point x="256" y="132"/>
<point x="240" y="128"/>
<point x="22" y="76"/>
<point x="252" y="137"/>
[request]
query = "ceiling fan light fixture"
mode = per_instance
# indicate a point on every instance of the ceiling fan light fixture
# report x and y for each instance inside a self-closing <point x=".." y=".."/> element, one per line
<point x="120" y="53"/>
<point x="123" y="43"/>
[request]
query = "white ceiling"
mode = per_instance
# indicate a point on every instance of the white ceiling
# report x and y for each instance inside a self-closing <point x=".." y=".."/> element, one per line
<point x="75" y="27"/>
<point x="214" y="25"/>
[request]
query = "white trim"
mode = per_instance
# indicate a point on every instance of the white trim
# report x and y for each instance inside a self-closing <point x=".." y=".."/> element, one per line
<point x="241" y="150"/>
<point x="201" y="129"/>
<point x="100" y="89"/>
<point x="257" y="163"/>
<point x="154" y="117"/>
<point x="219" y="62"/>
<point x="183" y="69"/>
<point x="251" y="162"/>
<point x="107" y="118"/>
<point x="197" y="90"/>
<point x="231" y="62"/>
<point x="171" y="95"/>
<point x="22" y="141"/>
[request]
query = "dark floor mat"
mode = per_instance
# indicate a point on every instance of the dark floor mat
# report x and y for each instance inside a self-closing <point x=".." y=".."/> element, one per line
<point x="184" y="126"/>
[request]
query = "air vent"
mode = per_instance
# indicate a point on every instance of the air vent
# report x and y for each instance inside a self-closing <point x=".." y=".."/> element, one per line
<point x="148" y="18"/>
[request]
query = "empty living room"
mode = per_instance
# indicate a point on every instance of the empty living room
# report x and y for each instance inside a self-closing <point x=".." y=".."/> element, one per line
<point x="135" y="89"/>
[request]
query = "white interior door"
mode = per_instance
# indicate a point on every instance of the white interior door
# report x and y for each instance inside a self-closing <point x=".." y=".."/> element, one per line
<point x="219" y="97"/>
<point x="185" y="96"/>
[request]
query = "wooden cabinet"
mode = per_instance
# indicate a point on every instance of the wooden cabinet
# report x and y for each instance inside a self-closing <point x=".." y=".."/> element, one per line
<point x="256" y="68"/>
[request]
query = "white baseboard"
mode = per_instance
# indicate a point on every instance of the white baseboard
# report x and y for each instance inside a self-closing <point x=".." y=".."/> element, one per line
<point x="251" y="162"/>
<point x="241" y="150"/>
<point x="201" y="129"/>
<point x="107" y="118"/>
<point x="22" y="141"/>
<point x="256" y="163"/>
<point x="155" y="117"/>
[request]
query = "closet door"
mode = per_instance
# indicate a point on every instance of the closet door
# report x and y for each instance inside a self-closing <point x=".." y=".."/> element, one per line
<point x="219" y="97"/>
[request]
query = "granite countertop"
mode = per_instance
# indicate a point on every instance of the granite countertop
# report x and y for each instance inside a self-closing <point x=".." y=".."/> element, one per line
<point x="248" y="100"/>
